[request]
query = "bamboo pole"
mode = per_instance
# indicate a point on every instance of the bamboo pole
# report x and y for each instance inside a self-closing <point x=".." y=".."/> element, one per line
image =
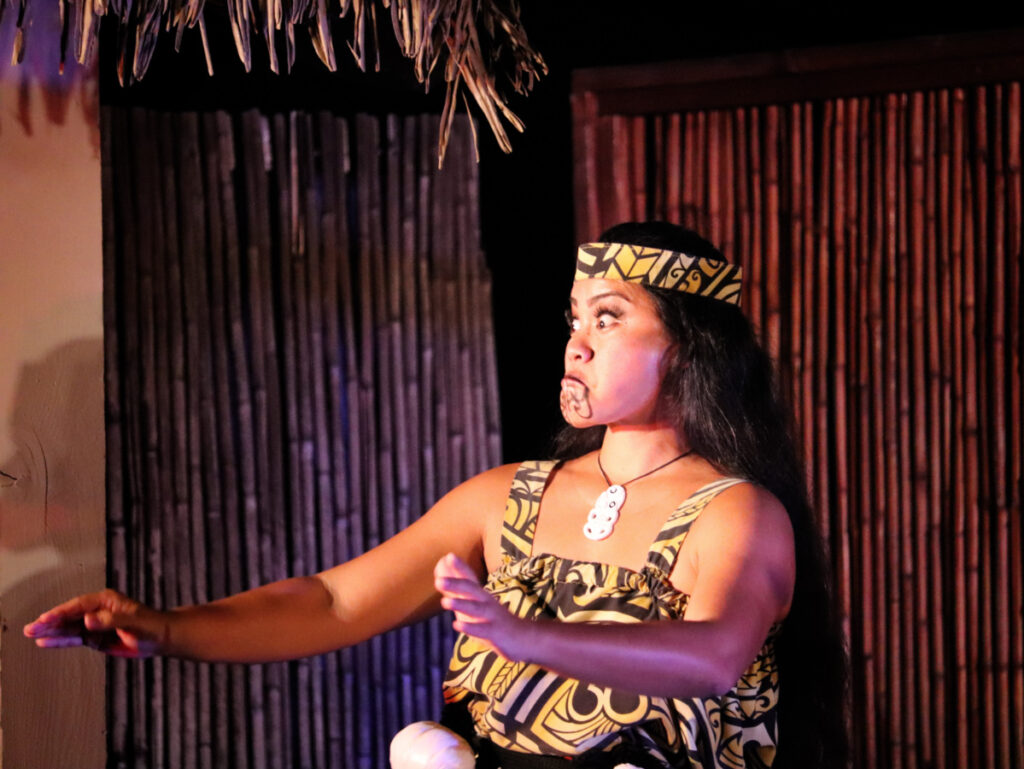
<point x="891" y="394"/>
<point x="756" y="256"/>
<point x="434" y="424"/>
<point x="317" y="467"/>
<point x="586" y="177"/>
<point x="773" y="319"/>
<point x="620" y="197"/>
<point x="904" y="471"/>
<point x="161" y="516"/>
<point x="401" y="240"/>
<point x="674" y="169"/>
<point x="283" y="681"/>
<point x="998" y="479"/>
<point x="121" y="541"/>
<point x="413" y="285"/>
<point x="205" y="510"/>
<point x="947" y="517"/>
<point x="929" y="458"/>
<point x="972" y="448"/>
<point x="638" y="209"/>
<point x="701" y="161"/>
<point x="690" y="171"/>
<point x="713" y="175"/>
<point x="366" y="142"/>
<point x="820" y="331"/>
<point x="658" y="184"/>
<point x="878" y="268"/>
<point x="180" y="736"/>
<point x="116" y="481"/>
<point x="869" y="635"/>
<point x="743" y="250"/>
<point x="839" y="324"/>
<point x="351" y="533"/>
<point x="222" y="489"/>
<point x="293" y="280"/>
<point x="330" y="449"/>
<point x="980" y="406"/>
<point x="727" y="240"/>
<point x="801" y="300"/>
<point x="803" y="398"/>
<point x="389" y="341"/>
<point x="1014" y="246"/>
<point x="149" y="543"/>
<point x="959" y="470"/>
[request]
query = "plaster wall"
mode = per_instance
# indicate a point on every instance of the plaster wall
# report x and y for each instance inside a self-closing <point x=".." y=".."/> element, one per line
<point x="52" y="502"/>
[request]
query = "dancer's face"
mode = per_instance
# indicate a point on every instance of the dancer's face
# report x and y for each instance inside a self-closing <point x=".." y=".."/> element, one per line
<point x="613" y="360"/>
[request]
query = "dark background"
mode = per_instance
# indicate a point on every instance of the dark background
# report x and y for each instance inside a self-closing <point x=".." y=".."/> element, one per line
<point x="526" y="197"/>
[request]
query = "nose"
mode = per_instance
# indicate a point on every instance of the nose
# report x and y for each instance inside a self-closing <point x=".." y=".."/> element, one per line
<point x="577" y="349"/>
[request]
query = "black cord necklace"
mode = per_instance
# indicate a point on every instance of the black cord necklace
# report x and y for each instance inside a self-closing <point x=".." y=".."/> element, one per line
<point x="602" y="517"/>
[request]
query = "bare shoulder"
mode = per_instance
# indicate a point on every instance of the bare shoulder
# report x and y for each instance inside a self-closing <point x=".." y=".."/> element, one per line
<point x="484" y="489"/>
<point x="744" y="535"/>
<point x="393" y="583"/>
<point x="479" y="504"/>
<point x="745" y="511"/>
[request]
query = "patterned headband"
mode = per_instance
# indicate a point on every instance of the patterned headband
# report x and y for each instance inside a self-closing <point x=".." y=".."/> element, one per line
<point x="665" y="269"/>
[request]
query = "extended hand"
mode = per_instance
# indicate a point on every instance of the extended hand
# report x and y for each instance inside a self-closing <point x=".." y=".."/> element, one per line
<point x="478" y="613"/>
<point x="106" y="621"/>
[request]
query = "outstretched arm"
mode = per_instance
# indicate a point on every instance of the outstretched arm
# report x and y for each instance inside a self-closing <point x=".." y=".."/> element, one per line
<point x="387" y="587"/>
<point x="742" y="548"/>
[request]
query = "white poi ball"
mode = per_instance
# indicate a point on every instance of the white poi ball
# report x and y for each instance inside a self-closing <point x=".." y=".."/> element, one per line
<point x="427" y="745"/>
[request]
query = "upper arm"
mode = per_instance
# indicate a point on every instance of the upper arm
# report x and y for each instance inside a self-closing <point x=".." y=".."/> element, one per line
<point x="392" y="584"/>
<point x="741" y="548"/>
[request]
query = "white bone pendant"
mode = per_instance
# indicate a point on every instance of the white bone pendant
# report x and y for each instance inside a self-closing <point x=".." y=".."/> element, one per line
<point x="601" y="519"/>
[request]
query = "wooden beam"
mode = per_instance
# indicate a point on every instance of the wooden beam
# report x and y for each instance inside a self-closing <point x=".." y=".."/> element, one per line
<point x="804" y="74"/>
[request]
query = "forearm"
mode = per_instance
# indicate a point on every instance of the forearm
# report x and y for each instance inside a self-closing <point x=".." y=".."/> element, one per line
<point x="669" y="658"/>
<point x="283" y="620"/>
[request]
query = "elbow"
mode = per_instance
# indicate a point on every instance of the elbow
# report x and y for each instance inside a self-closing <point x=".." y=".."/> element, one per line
<point x="723" y="681"/>
<point x="722" y="668"/>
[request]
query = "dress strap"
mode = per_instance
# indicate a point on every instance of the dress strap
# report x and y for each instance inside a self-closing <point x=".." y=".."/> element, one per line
<point x="522" y="506"/>
<point x="663" y="553"/>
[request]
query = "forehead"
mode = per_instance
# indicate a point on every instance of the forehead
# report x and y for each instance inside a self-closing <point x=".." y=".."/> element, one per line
<point x="591" y="289"/>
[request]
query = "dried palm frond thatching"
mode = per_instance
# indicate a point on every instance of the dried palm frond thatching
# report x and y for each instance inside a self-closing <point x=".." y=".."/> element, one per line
<point x="474" y="41"/>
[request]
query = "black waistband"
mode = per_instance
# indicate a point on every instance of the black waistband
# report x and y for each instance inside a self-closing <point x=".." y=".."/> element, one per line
<point x="490" y="756"/>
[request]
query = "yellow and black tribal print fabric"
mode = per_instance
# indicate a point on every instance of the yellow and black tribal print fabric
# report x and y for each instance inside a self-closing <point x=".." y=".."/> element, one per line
<point x="523" y="707"/>
<point x="674" y="270"/>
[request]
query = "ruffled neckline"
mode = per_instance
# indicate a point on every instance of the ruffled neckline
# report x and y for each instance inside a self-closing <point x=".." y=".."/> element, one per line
<point x="548" y="567"/>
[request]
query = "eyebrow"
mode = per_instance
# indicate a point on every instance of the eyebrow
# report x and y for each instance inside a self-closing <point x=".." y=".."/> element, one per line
<point x="598" y="297"/>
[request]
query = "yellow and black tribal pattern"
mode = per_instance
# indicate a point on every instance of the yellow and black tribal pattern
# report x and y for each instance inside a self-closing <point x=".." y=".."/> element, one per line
<point x="524" y="707"/>
<point x="712" y="278"/>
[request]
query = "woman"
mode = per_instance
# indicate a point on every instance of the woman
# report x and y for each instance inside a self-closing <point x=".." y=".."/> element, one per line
<point x="676" y="439"/>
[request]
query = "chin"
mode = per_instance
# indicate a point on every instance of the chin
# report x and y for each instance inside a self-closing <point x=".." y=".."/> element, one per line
<point x="579" y="422"/>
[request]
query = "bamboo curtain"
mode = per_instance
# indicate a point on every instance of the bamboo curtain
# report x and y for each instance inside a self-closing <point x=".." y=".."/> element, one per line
<point x="299" y="361"/>
<point x="881" y="243"/>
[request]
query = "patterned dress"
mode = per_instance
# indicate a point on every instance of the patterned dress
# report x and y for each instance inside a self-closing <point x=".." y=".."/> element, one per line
<point x="523" y="707"/>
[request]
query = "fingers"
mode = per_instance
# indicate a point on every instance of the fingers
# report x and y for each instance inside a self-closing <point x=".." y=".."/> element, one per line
<point x="60" y="642"/>
<point x="53" y="621"/>
<point x="468" y="610"/>
<point x="106" y="621"/>
<point x="70" y="616"/>
<point x="101" y="620"/>
<point x="453" y="566"/>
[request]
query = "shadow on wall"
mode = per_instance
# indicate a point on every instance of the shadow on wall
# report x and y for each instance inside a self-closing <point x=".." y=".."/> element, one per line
<point x="52" y="546"/>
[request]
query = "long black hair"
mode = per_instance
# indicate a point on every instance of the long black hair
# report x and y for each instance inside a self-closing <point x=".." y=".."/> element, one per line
<point x="720" y="390"/>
